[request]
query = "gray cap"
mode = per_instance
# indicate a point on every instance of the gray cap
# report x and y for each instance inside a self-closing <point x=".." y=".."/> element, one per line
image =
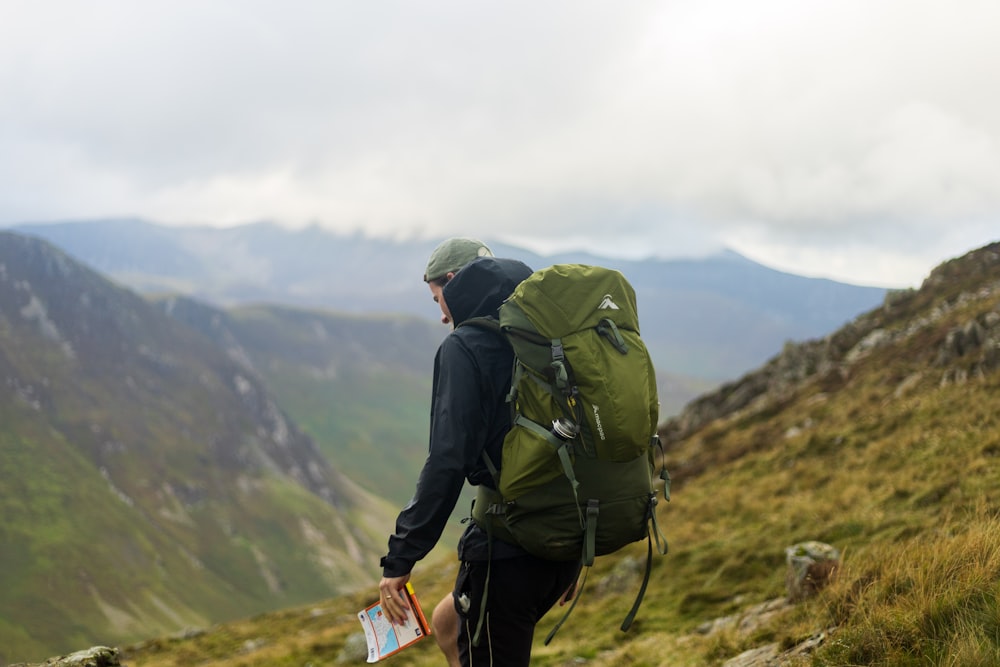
<point x="452" y="255"/>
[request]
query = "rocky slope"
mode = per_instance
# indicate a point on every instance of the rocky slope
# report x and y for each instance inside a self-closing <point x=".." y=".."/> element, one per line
<point x="970" y="349"/>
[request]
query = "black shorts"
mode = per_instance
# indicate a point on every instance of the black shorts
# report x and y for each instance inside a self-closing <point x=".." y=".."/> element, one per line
<point x="521" y="591"/>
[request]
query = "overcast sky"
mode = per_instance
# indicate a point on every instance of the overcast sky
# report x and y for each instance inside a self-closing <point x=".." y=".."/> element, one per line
<point x="851" y="139"/>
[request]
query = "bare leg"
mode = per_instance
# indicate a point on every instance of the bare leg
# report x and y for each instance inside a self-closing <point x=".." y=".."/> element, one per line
<point x="444" y="624"/>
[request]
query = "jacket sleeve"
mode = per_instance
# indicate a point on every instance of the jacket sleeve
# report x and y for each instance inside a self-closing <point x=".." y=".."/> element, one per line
<point x="457" y="436"/>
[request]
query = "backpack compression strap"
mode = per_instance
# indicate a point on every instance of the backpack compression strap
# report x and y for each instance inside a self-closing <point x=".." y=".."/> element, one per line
<point x="576" y="597"/>
<point x="609" y="330"/>
<point x="653" y="532"/>
<point x="486" y="584"/>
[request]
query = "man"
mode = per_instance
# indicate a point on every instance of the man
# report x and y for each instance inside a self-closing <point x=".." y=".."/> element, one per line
<point x="469" y="415"/>
<point x="447" y="259"/>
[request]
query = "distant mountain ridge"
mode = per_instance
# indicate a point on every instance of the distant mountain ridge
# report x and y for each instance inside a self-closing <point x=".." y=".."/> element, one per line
<point x="704" y="320"/>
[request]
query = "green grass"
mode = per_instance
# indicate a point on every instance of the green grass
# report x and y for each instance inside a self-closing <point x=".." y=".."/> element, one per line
<point x="360" y="386"/>
<point x="58" y="551"/>
<point x="139" y="500"/>
<point x="361" y="421"/>
<point x="926" y="600"/>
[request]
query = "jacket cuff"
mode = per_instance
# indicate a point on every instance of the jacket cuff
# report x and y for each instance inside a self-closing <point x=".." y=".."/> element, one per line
<point x="394" y="567"/>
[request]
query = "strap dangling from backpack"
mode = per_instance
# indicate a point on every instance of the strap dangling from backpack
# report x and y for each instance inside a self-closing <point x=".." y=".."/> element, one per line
<point x="627" y="623"/>
<point x="486" y="584"/>
<point x="576" y="596"/>
<point x="652" y="530"/>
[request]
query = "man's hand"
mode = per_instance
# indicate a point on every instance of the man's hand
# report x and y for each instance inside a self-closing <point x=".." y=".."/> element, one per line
<point x="570" y="592"/>
<point x="567" y="596"/>
<point x="393" y="597"/>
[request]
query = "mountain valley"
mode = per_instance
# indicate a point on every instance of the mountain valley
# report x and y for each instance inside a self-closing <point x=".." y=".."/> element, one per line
<point x="170" y="463"/>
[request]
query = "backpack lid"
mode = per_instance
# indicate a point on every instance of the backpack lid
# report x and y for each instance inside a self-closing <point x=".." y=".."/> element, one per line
<point x="564" y="298"/>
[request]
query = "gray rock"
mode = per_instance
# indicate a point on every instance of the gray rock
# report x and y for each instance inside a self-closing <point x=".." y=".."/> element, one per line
<point x="355" y="650"/>
<point x="97" y="656"/>
<point x="811" y="566"/>
<point x="762" y="656"/>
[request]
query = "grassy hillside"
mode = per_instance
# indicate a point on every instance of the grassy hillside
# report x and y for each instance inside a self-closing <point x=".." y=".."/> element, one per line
<point x="881" y="439"/>
<point x="147" y="481"/>
<point x="359" y="385"/>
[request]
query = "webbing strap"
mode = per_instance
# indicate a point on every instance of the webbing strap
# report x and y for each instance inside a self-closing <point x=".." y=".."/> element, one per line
<point x="567" y="466"/>
<point x="494" y="473"/>
<point x="515" y="380"/>
<point x="627" y="623"/>
<point x="576" y="596"/>
<point x="561" y="375"/>
<point x="558" y="365"/>
<point x="661" y="539"/>
<point x="538" y="430"/>
<point x="655" y="441"/>
<point x="609" y="330"/>
<point x="590" y="533"/>
<point x="486" y="584"/>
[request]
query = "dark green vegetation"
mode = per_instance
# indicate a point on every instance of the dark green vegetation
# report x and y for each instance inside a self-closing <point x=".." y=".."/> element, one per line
<point x="881" y="439"/>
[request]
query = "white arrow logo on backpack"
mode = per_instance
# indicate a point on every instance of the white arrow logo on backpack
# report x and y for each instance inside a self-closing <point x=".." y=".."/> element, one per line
<point x="608" y="304"/>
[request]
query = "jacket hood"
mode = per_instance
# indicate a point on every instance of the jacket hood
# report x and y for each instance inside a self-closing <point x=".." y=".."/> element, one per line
<point x="482" y="286"/>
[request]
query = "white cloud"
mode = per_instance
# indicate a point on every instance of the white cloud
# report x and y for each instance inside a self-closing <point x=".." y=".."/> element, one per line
<point x="848" y="134"/>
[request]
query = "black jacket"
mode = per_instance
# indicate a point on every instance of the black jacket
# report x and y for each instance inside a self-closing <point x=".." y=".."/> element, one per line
<point x="469" y="413"/>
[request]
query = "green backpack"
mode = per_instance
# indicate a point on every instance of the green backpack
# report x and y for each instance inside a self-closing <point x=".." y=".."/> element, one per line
<point x="576" y="478"/>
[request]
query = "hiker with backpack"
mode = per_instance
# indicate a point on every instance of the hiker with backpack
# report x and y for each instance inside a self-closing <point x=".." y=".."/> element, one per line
<point x="447" y="259"/>
<point x="470" y="417"/>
